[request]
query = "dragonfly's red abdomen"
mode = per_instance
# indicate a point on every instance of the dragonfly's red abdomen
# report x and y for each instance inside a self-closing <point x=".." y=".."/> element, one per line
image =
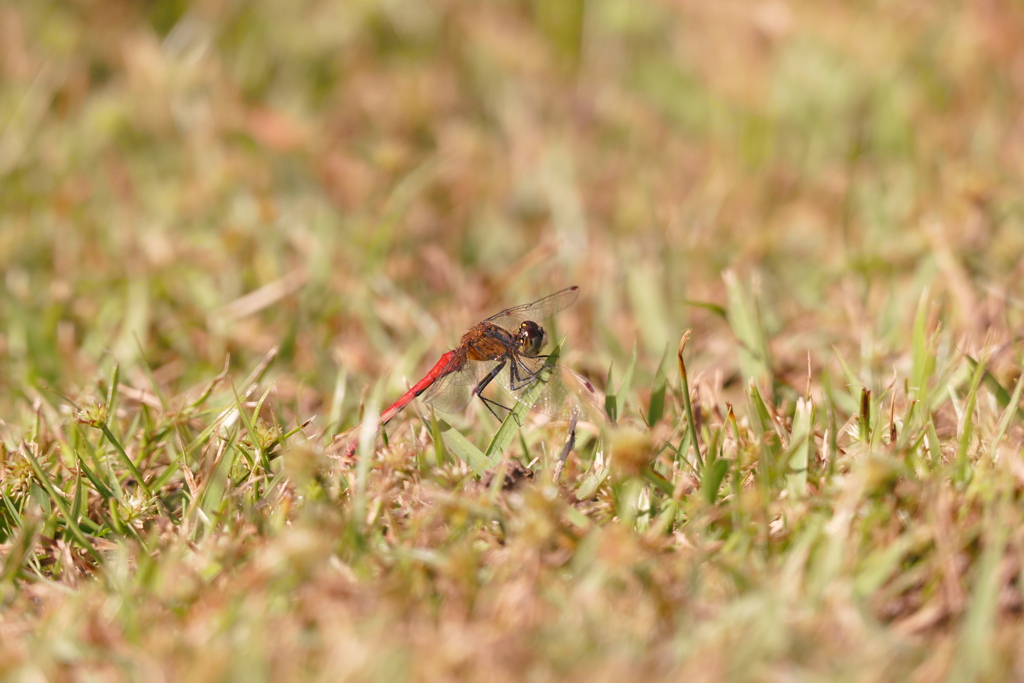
<point x="448" y="362"/>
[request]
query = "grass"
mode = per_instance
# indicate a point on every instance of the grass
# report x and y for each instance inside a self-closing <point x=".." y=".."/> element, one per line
<point x="227" y="232"/>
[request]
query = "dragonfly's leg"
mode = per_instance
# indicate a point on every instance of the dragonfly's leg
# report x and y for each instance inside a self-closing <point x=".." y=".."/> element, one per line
<point x="479" y="389"/>
<point x="520" y="376"/>
<point x="482" y="384"/>
<point x="492" y="405"/>
<point x="515" y="381"/>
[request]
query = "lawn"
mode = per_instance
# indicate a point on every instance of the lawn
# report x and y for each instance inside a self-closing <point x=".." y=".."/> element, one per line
<point x="231" y="233"/>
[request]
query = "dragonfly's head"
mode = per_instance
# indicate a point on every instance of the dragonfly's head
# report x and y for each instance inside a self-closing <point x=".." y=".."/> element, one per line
<point x="530" y="338"/>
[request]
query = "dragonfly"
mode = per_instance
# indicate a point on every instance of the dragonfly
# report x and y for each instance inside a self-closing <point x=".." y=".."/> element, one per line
<point x="505" y="348"/>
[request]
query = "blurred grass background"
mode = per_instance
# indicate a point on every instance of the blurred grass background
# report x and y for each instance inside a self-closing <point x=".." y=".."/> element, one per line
<point x="373" y="162"/>
<point x="357" y="182"/>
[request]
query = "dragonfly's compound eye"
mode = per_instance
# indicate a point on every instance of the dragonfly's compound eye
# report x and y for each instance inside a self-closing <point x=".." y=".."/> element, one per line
<point x="530" y="338"/>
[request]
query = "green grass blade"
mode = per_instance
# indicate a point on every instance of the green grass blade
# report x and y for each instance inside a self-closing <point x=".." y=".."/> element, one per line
<point x="624" y="386"/>
<point x="802" y="447"/>
<point x="465" y="451"/>
<point x="595" y="476"/>
<point x="691" y="424"/>
<point x="922" y="355"/>
<point x="1010" y="412"/>
<point x="19" y="550"/>
<point x="57" y="499"/>
<point x="609" y="395"/>
<point x="768" y="439"/>
<point x="1003" y="397"/>
<point x="976" y="654"/>
<point x="851" y="400"/>
<point x="337" y="399"/>
<point x="656" y="406"/>
<point x="712" y="476"/>
<point x="962" y="465"/>
<point x="745" y="320"/>
<point x="112" y="390"/>
<point x="126" y="460"/>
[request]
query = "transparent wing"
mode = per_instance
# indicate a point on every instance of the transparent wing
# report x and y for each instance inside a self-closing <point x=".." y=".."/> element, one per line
<point x="565" y="394"/>
<point x="538" y="311"/>
<point x="453" y="392"/>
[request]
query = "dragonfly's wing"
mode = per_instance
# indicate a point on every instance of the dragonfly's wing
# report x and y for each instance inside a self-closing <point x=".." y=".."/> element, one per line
<point x="451" y="393"/>
<point x="565" y="394"/>
<point x="538" y="311"/>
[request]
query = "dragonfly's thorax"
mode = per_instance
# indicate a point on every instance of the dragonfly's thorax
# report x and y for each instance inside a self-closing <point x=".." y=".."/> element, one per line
<point x="487" y="341"/>
<point x="530" y="338"/>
